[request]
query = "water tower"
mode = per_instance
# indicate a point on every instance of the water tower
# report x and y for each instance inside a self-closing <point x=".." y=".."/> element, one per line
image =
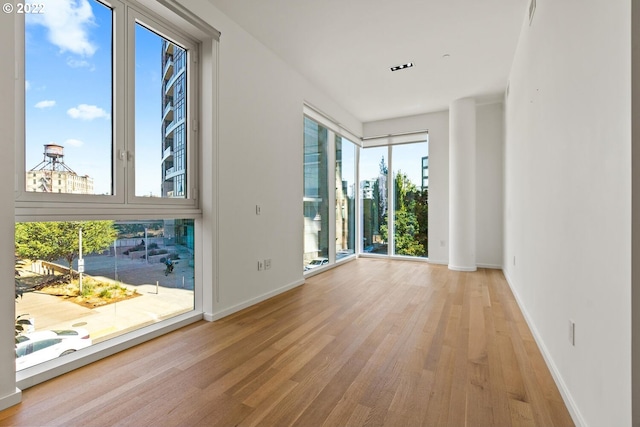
<point x="51" y="175"/>
<point x="53" y="159"/>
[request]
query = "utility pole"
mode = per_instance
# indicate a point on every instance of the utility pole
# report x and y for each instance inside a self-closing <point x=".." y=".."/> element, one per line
<point x="80" y="260"/>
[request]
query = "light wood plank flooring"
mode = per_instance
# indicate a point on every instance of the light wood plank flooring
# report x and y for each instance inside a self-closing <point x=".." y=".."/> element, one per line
<point x="373" y="342"/>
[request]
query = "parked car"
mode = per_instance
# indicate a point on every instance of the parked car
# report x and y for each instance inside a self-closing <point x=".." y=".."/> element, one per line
<point x="315" y="263"/>
<point x="38" y="347"/>
<point x="25" y="324"/>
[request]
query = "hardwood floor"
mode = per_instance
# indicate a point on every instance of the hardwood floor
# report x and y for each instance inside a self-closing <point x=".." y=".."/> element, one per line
<point x="373" y="342"/>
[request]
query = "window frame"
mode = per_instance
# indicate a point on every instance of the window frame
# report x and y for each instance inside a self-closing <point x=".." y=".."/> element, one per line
<point x="333" y="132"/>
<point x="123" y="200"/>
<point x="389" y="143"/>
<point x="68" y="207"/>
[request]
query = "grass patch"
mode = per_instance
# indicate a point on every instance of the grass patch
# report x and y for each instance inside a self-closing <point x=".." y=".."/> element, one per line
<point x="95" y="293"/>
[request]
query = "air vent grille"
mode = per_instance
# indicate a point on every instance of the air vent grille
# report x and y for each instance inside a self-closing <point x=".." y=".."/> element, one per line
<point x="402" y="67"/>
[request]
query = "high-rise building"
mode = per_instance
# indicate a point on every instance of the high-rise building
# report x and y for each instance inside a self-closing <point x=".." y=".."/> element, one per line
<point x="52" y="175"/>
<point x="174" y="125"/>
<point x="425" y="173"/>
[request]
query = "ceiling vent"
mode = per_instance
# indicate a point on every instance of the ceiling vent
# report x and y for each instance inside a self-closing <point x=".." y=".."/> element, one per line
<point x="402" y="67"/>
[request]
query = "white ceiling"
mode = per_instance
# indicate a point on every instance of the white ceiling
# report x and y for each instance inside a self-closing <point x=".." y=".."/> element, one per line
<point x="346" y="48"/>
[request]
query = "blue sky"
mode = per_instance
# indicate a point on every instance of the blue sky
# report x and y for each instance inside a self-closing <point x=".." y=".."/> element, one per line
<point x="407" y="158"/>
<point x="69" y="92"/>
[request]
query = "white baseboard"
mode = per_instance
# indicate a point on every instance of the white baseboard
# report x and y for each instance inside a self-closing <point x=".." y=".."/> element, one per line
<point x="461" y="268"/>
<point x="11" y="399"/>
<point x="491" y="266"/>
<point x="479" y="265"/>
<point x="228" y="311"/>
<point x="577" y="417"/>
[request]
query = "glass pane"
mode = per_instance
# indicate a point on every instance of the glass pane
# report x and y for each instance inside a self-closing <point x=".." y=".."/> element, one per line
<point x="316" y="196"/>
<point x="132" y="274"/>
<point x="410" y="178"/>
<point x="345" y="197"/>
<point x="68" y="99"/>
<point x="161" y="111"/>
<point x="373" y="196"/>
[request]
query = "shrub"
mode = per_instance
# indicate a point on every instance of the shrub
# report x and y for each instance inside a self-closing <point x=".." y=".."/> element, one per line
<point x="87" y="289"/>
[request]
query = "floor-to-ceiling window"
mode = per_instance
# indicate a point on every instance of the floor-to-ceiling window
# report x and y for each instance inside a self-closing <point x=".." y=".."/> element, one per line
<point x="316" y="194"/>
<point x="346" y="191"/>
<point x="330" y="193"/>
<point x="106" y="205"/>
<point x="374" y="200"/>
<point x="404" y="193"/>
<point x="410" y="195"/>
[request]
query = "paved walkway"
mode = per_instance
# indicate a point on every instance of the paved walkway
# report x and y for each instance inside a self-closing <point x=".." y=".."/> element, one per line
<point x="172" y="295"/>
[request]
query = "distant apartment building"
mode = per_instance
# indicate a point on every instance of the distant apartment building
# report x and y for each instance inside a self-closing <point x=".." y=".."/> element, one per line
<point x="52" y="175"/>
<point x="367" y="186"/>
<point x="174" y="125"/>
<point x="425" y="173"/>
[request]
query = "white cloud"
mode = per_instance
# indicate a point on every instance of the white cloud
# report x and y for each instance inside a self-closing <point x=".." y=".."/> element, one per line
<point x="87" y="112"/>
<point x="74" y="142"/>
<point x="79" y="63"/>
<point x="45" y="104"/>
<point x="67" y="22"/>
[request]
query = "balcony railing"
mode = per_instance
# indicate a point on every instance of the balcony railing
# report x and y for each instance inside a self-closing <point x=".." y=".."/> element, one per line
<point x="168" y="152"/>
<point x="168" y="68"/>
<point x="168" y="112"/>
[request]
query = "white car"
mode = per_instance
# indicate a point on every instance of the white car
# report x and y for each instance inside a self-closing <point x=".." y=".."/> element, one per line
<point x="316" y="263"/>
<point x="38" y="347"/>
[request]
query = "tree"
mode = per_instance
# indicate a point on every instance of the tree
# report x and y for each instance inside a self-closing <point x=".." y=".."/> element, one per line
<point x="410" y="217"/>
<point x="50" y="241"/>
<point x="422" y="214"/>
<point x="380" y="198"/>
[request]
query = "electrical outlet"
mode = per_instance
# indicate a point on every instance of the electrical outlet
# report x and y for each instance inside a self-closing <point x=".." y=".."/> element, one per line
<point x="260" y="265"/>
<point x="267" y="263"/>
<point x="572" y="332"/>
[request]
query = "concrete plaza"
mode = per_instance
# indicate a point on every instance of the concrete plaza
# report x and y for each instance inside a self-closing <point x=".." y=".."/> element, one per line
<point x="160" y="297"/>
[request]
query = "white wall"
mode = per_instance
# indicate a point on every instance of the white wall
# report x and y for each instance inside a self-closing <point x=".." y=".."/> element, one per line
<point x="567" y="198"/>
<point x="489" y="184"/>
<point x="635" y="220"/>
<point x="8" y="393"/>
<point x="260" y="163"/>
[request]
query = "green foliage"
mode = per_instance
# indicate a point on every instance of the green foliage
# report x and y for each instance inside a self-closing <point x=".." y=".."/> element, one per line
<point x="50" y="241"/>
<point x="87" y="289"/>
<point x="411" y="217"/>
<point x="137" y="229"/>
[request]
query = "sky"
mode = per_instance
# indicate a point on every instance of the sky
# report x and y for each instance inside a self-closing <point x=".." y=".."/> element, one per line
<point x="407" y="158"/>
<point x="68" y="92"/>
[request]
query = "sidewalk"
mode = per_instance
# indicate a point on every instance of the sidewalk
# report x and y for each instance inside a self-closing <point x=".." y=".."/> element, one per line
<point x="174" y="296"/>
